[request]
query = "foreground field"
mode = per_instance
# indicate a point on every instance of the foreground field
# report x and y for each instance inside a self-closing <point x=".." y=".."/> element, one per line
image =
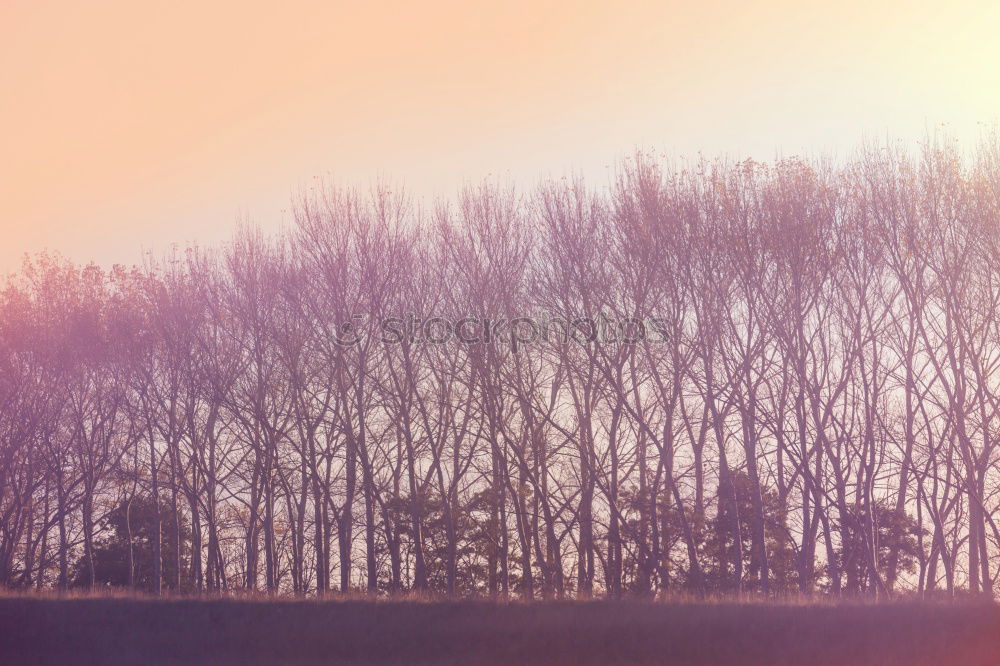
<point x="119" y="631"/>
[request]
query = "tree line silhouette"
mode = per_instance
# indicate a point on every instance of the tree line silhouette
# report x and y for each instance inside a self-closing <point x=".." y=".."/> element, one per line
<point x="794" y="389"/>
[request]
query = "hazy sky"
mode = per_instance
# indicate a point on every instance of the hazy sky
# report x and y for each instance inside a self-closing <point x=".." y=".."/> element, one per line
<point x="130" y="125"/>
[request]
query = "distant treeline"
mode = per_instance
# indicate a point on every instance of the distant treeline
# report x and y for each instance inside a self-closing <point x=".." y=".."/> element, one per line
<point x="722" y="377"/>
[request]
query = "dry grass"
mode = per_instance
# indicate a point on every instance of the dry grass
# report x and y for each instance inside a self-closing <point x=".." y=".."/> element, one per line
<point x="110" y="629"/>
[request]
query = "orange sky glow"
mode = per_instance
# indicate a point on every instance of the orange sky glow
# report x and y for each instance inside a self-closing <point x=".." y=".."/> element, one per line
<point x="129" y="126"/>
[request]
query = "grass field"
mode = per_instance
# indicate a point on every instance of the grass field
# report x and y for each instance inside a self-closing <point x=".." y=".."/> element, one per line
<point x="150" y="632"/>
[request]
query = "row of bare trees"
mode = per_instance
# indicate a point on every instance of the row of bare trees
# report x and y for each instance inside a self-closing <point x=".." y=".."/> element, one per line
<point x="722" y="378"/>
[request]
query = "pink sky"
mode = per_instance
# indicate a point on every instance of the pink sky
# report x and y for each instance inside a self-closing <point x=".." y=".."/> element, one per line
<point x="128" y="126"/>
